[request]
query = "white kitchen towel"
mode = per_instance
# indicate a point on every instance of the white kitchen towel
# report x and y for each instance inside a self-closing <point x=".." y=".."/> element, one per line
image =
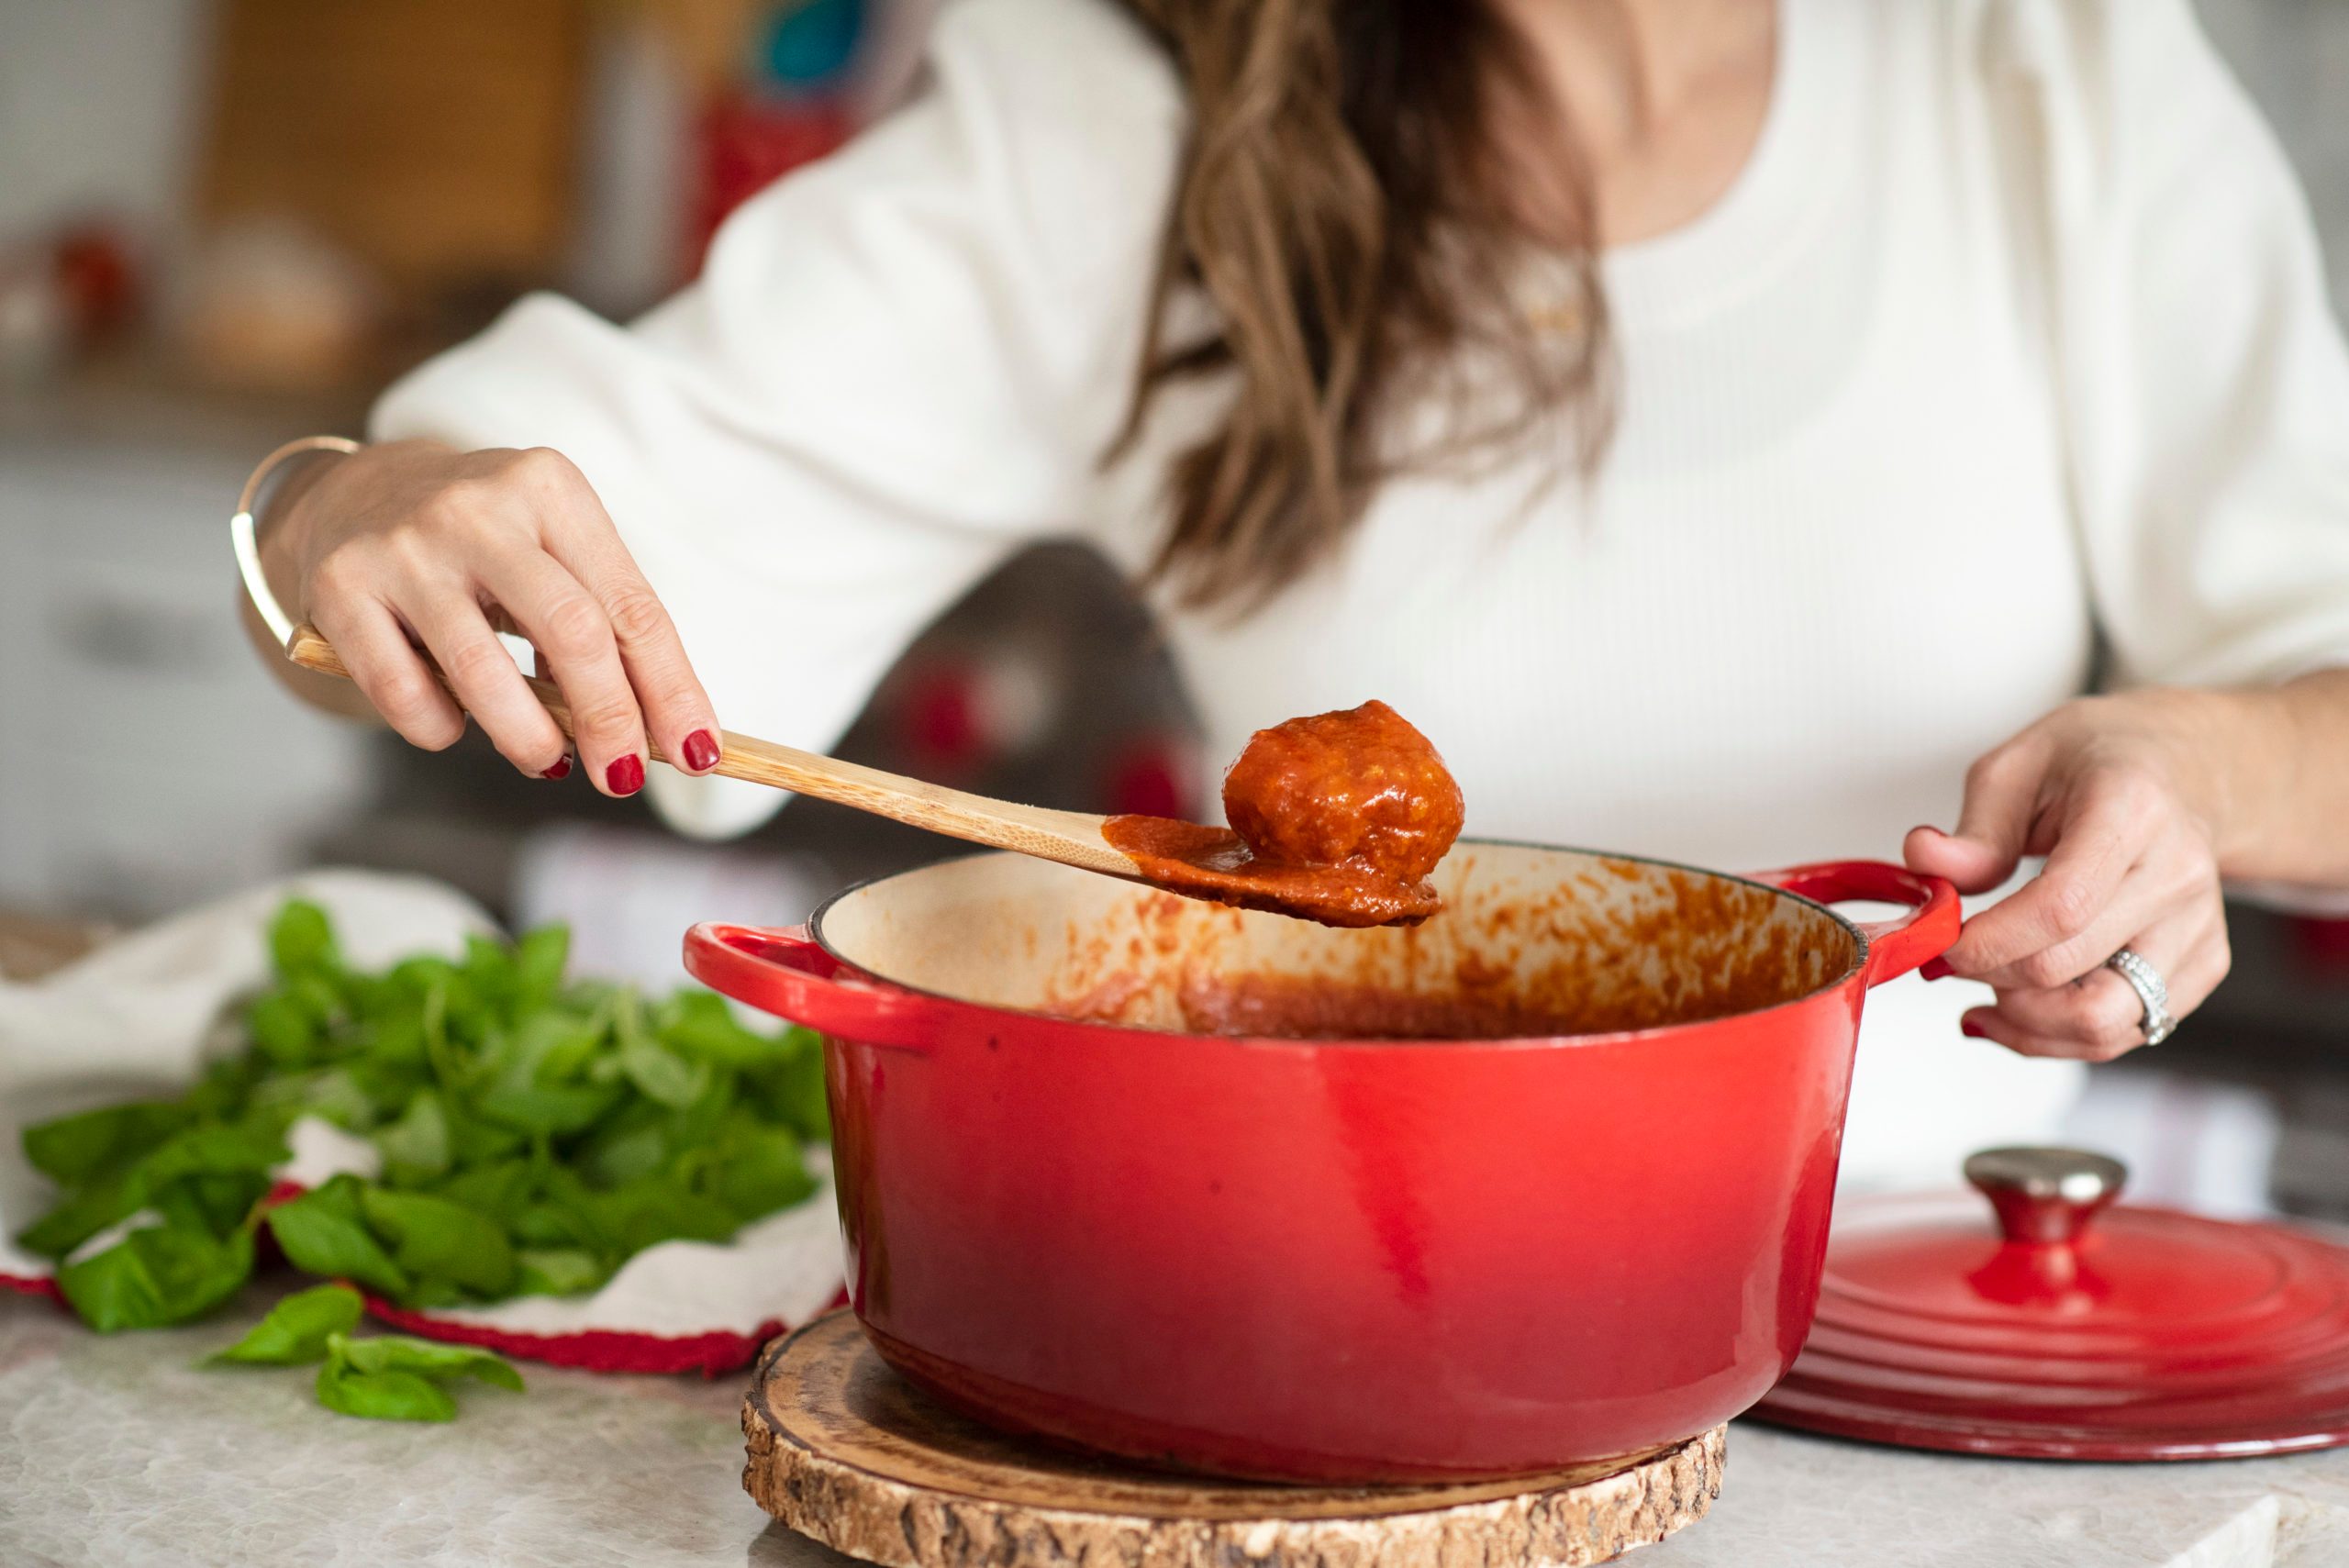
<point x="141" y="1015"/>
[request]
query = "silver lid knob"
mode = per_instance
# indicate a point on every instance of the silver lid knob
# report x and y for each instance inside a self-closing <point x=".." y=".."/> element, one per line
<point x="2045" y="1197"/>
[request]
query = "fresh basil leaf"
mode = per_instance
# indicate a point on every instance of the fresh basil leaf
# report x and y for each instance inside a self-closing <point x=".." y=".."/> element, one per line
<point x="384" y="1396"/>
<point x="332" y="1094"/>
<point x="217" y="1202"/>
<point x="429" y="1358"/>
<point x="792" y="1091"/>
<point x="72" y="1150"/>
<point x="321" y="994"/>
<point x="657" y="1210"/>
<point x="431" y="1295"/>
<point x="698" y="1122"/>
<point x="392" y="1042"/>
<point x="489" y="965"/>
<point x="564" y="1214"/>
<point x="474" y="1141"/>
<point x="324" y="1232"/>
<point x="416" y="1147"/>
<point x="157" y="1177"/>
<point x="337" y="1097"/>
<point x="221" y="1093"/>
<point x="498" y="1188"/>
<point x="551" y="1108"/>
<point x="414" y="978"/>
<point x="759" y="1171"/>
<point x="288" y="1030"/>
<point x="700" y="1025"/>
<point x="539" y="960"/>
<point x="631" y="1143"/>
<point x="563" y="1220"/>
<point x="468" y="1016"/>
<point x="552" y="1046"/>
<point x="220" y="1148"/>
<point x="158" y="1275"/>
<point x="433" y="1239"/>
<point x="81" y="1216"/>
<point x="301" y="940"/>
<point x="558" y="1271"/>
<point x="659" y="1074"/>
<point x="296" y="1330"/>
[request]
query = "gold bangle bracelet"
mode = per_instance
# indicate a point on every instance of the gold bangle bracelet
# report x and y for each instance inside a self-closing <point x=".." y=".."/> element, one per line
<point x="242" y="535"/>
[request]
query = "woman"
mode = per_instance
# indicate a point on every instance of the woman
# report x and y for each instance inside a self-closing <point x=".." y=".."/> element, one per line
<point x="1732" y="431"/>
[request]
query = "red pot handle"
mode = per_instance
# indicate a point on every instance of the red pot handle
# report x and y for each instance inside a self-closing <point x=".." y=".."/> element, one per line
<point x="1895" y="946"/>
<point x="781" y="970"/>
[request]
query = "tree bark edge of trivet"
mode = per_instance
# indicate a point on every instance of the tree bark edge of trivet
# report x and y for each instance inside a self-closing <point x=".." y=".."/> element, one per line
<point x="901" y="1524"/>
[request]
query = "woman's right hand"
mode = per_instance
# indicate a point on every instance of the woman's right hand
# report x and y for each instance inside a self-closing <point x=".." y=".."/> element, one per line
<point x="414" y="543"/>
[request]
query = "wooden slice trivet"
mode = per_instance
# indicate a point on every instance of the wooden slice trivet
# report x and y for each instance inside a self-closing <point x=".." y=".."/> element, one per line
<point x="843" y="1449"/>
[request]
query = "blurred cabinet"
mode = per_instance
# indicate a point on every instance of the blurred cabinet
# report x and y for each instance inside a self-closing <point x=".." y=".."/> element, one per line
<point x="434" y="139"/>
<point x="145" y="759"/>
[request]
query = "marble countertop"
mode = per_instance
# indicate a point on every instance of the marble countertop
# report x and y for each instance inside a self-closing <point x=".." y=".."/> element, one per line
<point x="118" y="1452"/>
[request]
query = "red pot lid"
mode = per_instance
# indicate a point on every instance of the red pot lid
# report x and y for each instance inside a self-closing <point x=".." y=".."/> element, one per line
<point x="2050" y="1325"/>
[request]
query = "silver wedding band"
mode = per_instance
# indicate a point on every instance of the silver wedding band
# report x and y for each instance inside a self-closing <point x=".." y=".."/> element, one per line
<point x="2146" y="981"/>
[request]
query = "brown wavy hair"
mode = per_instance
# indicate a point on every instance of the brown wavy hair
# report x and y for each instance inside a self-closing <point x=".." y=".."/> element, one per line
<point x="1345" y="206"/>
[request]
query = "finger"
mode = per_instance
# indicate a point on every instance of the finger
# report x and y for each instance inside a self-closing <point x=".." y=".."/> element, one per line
<point x="677" y="711"/>
<point x="1988" y="1023"/>
<point x="2098" y="840"/>
<point x="2171" y="878"/>
<point x="1994" y="823"/>
<point x="391" y="673"/>
<point x="578" y="651"/>
<point x="2100" y="1016"/>
<point x="487" y="681"/>
<point x="506" y="626"/>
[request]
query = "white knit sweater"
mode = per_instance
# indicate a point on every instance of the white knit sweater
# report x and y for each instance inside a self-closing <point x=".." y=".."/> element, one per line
<point x="2011" y="334"/>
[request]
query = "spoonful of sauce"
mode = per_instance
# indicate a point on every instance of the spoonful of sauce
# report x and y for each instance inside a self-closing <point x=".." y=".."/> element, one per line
<point x="1338" y="818"/>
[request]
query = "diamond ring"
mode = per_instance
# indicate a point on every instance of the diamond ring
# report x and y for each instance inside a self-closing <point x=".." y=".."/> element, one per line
<point x="2146" y="981"/>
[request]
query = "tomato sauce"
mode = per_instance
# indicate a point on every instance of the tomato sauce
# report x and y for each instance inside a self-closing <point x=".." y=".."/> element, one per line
<point x="1337" y="817"/>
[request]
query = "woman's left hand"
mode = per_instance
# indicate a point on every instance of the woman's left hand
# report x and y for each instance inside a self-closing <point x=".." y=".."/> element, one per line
<point x="2121" y="795"/>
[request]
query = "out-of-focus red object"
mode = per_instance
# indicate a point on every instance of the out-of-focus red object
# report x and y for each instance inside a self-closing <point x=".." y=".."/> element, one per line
<point x="1149" y="776"/>
<point x="957" y="709"/>
<point x="2322" y="945"/>
<point x="98" y="279"/>
<point x="940" y="719"/>
<point x="746" y="144"/>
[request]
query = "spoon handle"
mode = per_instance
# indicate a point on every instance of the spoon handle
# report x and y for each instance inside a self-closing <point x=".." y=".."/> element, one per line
<point x="1073" y="837"/>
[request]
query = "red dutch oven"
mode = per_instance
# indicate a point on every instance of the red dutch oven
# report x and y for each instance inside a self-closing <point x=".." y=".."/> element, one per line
<point x="1339" y="1260"/>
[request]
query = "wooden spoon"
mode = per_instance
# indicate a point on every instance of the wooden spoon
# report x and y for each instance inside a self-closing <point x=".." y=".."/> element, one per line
<point x="1072" y="838"/>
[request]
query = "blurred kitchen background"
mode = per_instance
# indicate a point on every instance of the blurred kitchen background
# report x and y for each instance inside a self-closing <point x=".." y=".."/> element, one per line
<point x="227" y="222"/>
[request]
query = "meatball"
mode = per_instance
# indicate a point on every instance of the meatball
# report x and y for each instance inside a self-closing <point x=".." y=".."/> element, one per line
<point x="1361" y="785"/>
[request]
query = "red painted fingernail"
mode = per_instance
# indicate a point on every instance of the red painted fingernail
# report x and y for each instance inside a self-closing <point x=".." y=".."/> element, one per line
<point x="701" y="752"/>
<point x="1971" y="1029"/>
<point x="562" y="769"/>
<point x="625" y="776"/>
<point x="1935" y="969"/>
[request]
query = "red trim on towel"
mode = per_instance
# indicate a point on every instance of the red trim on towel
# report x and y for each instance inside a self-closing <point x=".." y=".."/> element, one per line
<point x="712" y="1354"/>
<point x="33" y="1284"/>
